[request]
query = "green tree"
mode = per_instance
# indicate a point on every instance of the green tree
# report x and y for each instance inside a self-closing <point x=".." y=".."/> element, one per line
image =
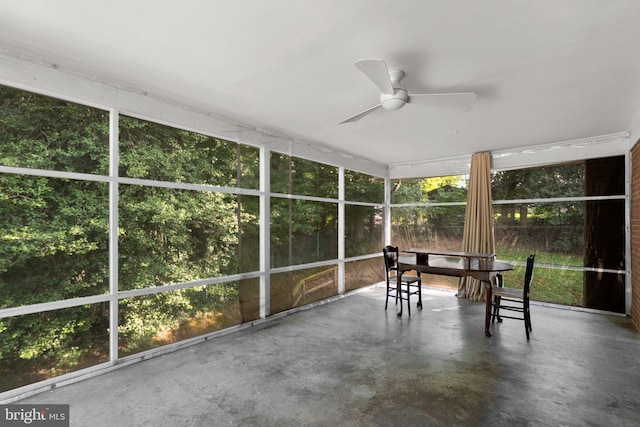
<point x="552" y="223"/>
<point x="428" y="225"/>
<point x="54" y="231"/>
<point x="302" y="231"/>
<point x="363" y="224"/>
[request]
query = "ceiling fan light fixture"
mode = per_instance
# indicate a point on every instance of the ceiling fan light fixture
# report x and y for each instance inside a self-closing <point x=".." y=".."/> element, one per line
<point x="395" y="101"/>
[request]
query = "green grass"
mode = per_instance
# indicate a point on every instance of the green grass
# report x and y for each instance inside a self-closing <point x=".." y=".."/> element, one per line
<point x="507" y="253"/>
<point x="548" y="284"/>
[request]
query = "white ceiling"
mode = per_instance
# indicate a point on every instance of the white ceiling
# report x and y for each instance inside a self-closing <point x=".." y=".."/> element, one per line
<point x="544" y="71"/>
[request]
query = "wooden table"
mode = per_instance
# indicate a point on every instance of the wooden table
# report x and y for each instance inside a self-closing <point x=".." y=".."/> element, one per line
<point x="457" y="264"/>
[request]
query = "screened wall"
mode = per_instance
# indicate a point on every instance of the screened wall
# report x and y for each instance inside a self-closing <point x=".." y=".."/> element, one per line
<point x="121" y="235"/>
<point x="571" y="215"/>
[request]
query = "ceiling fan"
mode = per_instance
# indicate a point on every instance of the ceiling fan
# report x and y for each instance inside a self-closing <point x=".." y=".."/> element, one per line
<point x="393" y="95"/>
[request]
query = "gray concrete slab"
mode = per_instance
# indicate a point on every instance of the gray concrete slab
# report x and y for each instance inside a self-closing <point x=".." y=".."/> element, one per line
<point x="351" y="363"/>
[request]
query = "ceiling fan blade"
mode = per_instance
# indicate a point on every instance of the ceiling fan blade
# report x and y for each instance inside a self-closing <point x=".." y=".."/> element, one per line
<point x="454" y="101"/>
<point x="361" y="114"/>
<point x="377" y="72"/>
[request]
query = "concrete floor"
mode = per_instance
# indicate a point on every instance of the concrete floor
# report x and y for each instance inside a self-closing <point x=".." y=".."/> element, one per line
<point x="350" y="363"/>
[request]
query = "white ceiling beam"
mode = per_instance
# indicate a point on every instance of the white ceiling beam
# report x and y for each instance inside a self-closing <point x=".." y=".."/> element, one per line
<point x="559" y="152"/>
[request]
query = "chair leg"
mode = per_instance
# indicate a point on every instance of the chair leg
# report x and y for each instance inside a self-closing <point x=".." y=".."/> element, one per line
<point x="420" y="295"/>
<point x="408" y="299"/>
<point x="386" y="302"/>
<point x="527" y="318"/>
<point x="496" y="309"/>
<point x="399" y="296"/>
<point x="493" y="309"/>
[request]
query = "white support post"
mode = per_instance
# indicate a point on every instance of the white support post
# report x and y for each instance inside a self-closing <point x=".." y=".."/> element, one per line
<point x="387" y="211"/>
<point x="341" y="230"/>
<point x="265" y="233"/>
<point x="113" y="235"/>
<point x="628" y="285"/>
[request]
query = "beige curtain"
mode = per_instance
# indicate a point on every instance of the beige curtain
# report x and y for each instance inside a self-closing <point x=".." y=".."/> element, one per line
<point x="478" y="224"/>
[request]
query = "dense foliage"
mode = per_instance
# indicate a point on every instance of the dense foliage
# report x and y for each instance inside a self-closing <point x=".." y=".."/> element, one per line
<point x="54" y="232"/>
<point x="437" y="214"/>
<point x="545" y="226"/>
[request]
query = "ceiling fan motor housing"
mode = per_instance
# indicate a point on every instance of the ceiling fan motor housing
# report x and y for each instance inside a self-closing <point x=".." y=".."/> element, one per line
<point x="394" y="101"/>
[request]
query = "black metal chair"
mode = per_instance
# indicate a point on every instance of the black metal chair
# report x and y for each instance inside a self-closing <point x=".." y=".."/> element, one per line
<point x="514" y="299"/>
<point x="391" y="265"/>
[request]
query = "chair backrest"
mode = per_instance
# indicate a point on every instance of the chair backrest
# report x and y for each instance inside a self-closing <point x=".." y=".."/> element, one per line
<point x="390" y="258"/>
<point x="528" y="273"/>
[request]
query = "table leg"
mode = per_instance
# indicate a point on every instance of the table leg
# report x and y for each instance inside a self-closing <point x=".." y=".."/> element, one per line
<point x="420" y="291"/>
<point x="487" y="309"/>
<point x="399" y="290"/>
<point x="408" y="299"/>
